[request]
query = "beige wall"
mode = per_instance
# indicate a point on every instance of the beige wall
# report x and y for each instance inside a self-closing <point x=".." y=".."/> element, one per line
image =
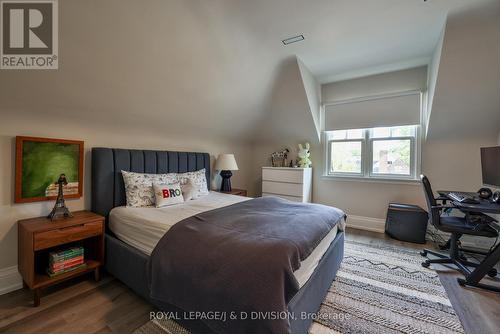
<point x="106" y="136"/>
<point x="466" y="101"/>
<point x="109" y="92"/>
<point x="129" y="82"/>
<point x="460" y="110"/>
<point x="358" y="198"/>
<point x="432" y="78"/>
<point x="449" y="163"/>
<point x="313" y="93"/>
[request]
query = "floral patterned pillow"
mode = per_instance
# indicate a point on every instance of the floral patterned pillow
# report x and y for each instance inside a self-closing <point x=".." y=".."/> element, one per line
<point x="139" y="187"/>
<point x="198" y="180"/>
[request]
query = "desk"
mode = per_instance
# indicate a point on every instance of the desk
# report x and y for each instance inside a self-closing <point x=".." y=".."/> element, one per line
<point x="484" y="205"/>
<point x="473" y="277"/>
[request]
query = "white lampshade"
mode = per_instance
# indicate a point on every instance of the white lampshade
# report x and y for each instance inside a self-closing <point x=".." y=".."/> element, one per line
<point x="226" y="162"/>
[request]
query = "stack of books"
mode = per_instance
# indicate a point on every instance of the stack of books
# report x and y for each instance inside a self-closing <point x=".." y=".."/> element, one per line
<point x="66" y="260"/>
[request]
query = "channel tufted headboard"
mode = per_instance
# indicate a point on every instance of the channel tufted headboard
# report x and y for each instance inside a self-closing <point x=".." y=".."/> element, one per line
<point x="108" y="190"/>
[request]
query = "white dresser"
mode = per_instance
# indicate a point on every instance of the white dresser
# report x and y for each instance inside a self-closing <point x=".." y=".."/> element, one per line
<point x="290" y="183"/>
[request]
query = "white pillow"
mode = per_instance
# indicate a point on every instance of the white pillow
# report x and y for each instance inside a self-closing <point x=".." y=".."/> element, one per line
<point x="198" y="179"/>
<point x="139" y="187"/>
<point x="189" y="191"/>
<point x="167" y="194"/>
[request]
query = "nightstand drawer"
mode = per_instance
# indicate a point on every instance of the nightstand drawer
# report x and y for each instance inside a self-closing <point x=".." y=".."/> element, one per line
<point x="64" y="235"/>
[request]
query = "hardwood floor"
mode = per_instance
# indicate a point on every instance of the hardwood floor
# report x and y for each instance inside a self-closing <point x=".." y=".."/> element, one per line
<point x="108" y="306"/>
<point x="78" y="306"/>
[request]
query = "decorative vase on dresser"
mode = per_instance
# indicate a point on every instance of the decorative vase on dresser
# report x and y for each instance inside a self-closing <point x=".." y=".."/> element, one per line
<point x="289" y="183"/>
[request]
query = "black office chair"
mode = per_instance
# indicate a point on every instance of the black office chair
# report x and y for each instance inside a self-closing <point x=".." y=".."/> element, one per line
<point x="457" y="226"/>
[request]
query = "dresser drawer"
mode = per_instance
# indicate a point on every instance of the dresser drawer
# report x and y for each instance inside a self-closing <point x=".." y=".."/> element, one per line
<point x="60" y="236"/>
<point x="290" y="198"/>
<point x="283" y="175"/>
<point x="290" y="189"/>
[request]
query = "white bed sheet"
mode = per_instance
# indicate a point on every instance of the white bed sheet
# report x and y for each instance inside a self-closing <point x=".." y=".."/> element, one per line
<point x="142" y="228"/>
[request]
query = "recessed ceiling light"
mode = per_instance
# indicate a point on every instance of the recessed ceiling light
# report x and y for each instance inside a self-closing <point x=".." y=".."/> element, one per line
<point x="293" y="39"/>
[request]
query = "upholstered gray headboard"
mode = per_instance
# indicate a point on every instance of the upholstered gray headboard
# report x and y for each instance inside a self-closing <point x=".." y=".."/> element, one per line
<point x="108" y="190"/>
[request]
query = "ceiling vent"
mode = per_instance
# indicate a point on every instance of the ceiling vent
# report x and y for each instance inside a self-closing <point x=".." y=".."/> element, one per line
<point x="293" y="39"/>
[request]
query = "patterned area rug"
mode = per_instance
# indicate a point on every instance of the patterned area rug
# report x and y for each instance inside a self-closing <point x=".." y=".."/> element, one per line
<point x="379" y="289"/>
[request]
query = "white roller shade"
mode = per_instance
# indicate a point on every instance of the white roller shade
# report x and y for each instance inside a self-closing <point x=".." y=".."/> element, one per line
<point x="372" y="113"/>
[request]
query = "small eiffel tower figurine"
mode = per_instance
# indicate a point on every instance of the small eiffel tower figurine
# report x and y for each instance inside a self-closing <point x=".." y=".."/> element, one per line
<point x="60" y="210"/>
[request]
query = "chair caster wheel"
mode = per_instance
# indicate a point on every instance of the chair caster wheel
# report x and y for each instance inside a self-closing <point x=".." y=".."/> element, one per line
<point x="492" y="273"/>
<point x="425" y="264"/>
<point x="461" y="282"/>
<point x="423" y="253"/>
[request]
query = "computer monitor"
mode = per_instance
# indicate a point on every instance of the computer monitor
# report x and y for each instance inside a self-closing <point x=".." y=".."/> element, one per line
<point x="490" y="164"/>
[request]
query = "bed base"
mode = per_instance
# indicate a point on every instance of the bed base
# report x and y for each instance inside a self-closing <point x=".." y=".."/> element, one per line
<point x="129" y="265"/>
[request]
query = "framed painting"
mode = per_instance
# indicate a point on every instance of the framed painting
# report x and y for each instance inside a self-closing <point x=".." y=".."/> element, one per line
<point x="40" y="162"/>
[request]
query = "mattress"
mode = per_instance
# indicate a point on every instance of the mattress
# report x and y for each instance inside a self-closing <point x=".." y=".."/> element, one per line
<point x="142" y="228"/>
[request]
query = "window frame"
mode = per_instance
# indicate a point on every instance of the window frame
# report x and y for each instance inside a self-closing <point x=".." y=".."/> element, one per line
<point x="346" y="174"/>
<point x="367" y="157"/>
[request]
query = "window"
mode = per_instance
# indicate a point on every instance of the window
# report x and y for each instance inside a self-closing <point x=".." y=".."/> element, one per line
<point x="346" y="149"/>
<point x="383" y="152"/>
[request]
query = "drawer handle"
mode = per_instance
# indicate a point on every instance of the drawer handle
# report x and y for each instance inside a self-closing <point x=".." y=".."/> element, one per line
<point x="71" y="227"/>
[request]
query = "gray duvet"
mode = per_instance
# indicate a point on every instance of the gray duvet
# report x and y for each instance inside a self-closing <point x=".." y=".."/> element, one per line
<point x="239" y="261"/>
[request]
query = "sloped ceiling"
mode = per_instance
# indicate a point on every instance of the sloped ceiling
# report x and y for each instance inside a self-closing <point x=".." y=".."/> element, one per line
<point x="352" y="38"/>
<point x="288" y="118"/>
<point x="313" y="93"/>
<point x="177" y="67"/>
<point x="467" y="94"/>
<point x="204" y="67"/>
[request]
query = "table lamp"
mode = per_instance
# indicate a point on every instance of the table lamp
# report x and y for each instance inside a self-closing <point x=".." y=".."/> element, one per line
<point x="226" y="163"/>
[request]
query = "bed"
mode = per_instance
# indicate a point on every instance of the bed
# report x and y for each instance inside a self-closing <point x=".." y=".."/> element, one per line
<point x="128" y="249"/>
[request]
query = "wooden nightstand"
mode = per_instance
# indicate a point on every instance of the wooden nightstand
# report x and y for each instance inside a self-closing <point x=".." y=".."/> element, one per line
<point x="39" y="236"/>
<point x="234" y="191"/>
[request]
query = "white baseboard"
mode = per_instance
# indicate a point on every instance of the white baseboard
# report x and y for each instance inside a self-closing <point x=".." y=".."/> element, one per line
<point x="10" y="280"/>
<point x="366" y="223"/>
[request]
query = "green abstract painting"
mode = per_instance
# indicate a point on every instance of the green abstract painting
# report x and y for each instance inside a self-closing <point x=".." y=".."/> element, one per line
<point x="43" y="163"/>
